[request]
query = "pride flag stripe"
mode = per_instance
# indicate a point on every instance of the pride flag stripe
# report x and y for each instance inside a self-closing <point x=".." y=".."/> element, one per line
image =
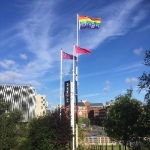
<point x="88" y="22"/>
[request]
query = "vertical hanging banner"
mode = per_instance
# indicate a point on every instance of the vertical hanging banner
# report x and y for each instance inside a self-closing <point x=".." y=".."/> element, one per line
<point x="76" y="96"/>
<point x="67" y="93"/>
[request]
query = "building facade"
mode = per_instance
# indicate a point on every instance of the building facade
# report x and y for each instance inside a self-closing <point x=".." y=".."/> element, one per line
<point x="41" y="105"/>
<point x="21" y="98"/>
<point x="83" y="109"/>
<point x="95" y="109"/>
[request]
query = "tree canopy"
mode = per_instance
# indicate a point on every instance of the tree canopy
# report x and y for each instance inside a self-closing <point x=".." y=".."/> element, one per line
<point x="50" y="132"/>
<point x="144" y="79"/>
<point x="123" y="118"/>
<point x="9" y="122"/>
<point x="144" y="83"/>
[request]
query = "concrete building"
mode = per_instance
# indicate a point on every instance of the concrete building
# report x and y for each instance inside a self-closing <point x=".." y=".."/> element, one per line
<point x="41" y="105"/>
<point x="21" y="98"/>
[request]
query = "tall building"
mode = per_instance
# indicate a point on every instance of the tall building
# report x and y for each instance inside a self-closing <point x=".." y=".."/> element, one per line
<point x="41" y="105"/>
<point x="21" y="98"/>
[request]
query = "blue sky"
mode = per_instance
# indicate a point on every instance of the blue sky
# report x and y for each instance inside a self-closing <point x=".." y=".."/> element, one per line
<point x="33" y="32"/>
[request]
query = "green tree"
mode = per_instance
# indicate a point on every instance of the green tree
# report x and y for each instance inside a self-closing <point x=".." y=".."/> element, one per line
<point x="144" y="83"/>
<point x="82" y="130"/>
<point x="51" y="132"/>
<point x="144" y="80"/>
<point x="85" y="121"/>
<point x="122" y="121"/>
<point x="9" y="122"/>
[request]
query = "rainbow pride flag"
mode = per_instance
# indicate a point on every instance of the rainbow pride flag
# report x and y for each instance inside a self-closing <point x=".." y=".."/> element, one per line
<point x="88" y="22"/>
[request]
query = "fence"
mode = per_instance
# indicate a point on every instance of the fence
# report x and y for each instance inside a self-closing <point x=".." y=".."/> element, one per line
<point x="99" y="140"/>
<point x="102" y="147"/>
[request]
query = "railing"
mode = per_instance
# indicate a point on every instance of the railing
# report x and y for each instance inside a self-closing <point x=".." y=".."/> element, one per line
<point x="101" y="147"/>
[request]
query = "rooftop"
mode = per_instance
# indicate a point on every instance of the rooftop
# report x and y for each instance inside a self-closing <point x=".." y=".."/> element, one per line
<point x="96" y="105"/>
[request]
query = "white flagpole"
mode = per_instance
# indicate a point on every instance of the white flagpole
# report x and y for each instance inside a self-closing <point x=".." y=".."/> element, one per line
<point x="77" y="30"/>
<point x="72" y="103"/>
<point x="60" y="81"/>
<point x="76" y="80"/>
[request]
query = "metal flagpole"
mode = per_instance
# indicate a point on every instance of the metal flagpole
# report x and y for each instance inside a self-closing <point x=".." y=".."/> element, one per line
<point x="76" y="83"/>
<point x="72" y="103"/>
<point x="60" y="81"/>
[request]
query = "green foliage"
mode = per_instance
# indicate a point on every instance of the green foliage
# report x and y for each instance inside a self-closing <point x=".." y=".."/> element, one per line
<point x="81" y="133"/>
<point x="50" y="132"/>
<point x="82" y="130"/>
<point x="147" y="58"/>
<point x="9" y="122"/>
<point x="123" y="119"/>
<point x="3" y="107"/>
<point x="144" y="80"/>
<point x="144" y="83"/>
<point x="84" y="121"/>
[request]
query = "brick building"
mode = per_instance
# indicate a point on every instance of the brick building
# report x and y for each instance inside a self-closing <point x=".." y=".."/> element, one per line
<point x="83" y="109"/>
<point x="95" y="109"/>
<point x="96" y="112"/>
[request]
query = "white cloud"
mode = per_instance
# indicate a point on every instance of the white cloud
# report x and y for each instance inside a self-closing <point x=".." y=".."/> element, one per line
<point x="115" y="24"/>
<point x="107" y="86"/>
<point x="37" y="32"/>
<point x="106" y="89"/>
<point x="23" y="56"/>
<point x="134" y="67"/>
<point x="107" y="82"/>
<point x="6" y="63"/>
<point x="90" y="95"/>
<point x="138" y="51"/>
<point x="34" y="83"/>
<point x="10" y="77"/>
<point x="131" y="80"/>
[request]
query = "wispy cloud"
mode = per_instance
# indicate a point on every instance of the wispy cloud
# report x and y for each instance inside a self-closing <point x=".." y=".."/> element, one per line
<point x="10" y="77"/>
<point x="86" y="96"/>
<point x="138" y="51"/>
<point x="23" y="56"/>
<point x="134" y="67"/>
<point x="131" y="80"/>
<point x="6" y="64"/>
<point x="107" y="86"/>
<point x="39" y="32"/>
<point x="116" y="23"/>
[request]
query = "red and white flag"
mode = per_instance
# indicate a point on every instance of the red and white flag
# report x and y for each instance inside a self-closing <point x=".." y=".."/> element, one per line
<point x="80" y="50"/>
<point x="68" y="56"/>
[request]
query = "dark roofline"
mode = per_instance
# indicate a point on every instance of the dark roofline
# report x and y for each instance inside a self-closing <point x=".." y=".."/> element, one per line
<point x="96" y="105"/>
<point x="81" y="104"/>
